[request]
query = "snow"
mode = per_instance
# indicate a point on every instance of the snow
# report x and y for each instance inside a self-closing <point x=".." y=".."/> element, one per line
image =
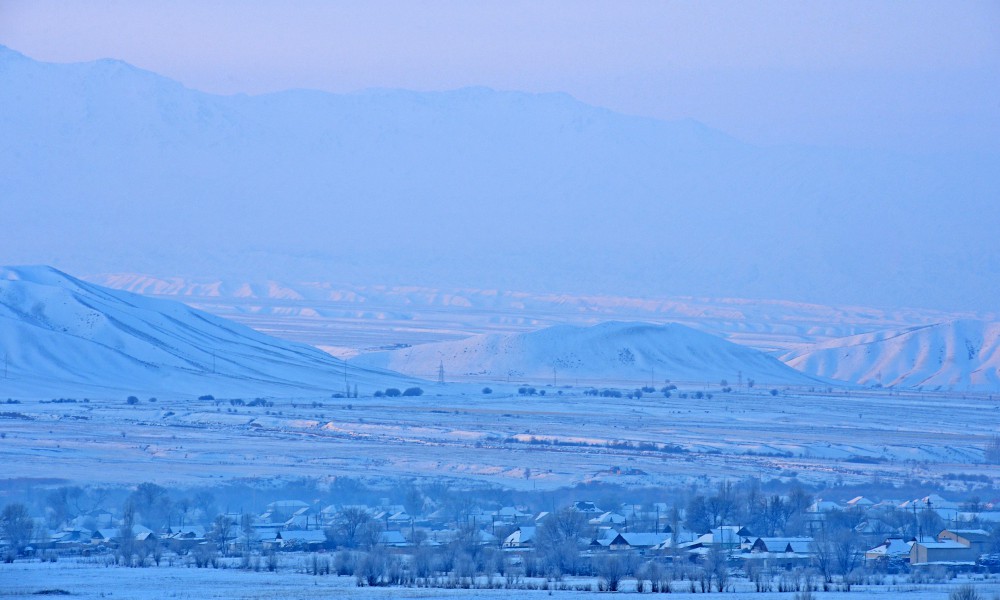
<point x="956" y="355"/>
<point x="62" y="336"/>
<point x="91" y="579"/>
<point x="608" y="352"/>
<point x="504" y="439"/>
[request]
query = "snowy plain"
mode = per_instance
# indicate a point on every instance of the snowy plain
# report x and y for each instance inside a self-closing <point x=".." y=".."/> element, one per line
<point x="455" y="432"/>
<point x="90" y="579"/>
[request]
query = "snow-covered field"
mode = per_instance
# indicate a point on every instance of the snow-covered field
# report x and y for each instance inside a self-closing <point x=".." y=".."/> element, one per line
<point x="91" y="579"/>
<point x="503" y="438"/>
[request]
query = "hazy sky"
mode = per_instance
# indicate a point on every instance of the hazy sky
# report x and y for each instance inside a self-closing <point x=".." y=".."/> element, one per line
<point x="903" y="75"/>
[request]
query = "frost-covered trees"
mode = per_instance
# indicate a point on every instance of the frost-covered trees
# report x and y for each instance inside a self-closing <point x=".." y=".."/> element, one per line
<point x="557" y="541"/>
<point x="17" y="526"/>
<point x="355" y="528"/>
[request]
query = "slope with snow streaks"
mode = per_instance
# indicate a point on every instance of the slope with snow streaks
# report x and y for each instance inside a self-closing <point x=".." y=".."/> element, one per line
<point x="58" y="333"/>
<point x="609" y="352"/>
<point x="956" y="355"/>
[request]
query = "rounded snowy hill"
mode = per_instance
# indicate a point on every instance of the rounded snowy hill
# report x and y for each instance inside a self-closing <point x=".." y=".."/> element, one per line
<point x="60" y="335"/>
<point x="614" y="352"/>
<point x="956" y="355"/>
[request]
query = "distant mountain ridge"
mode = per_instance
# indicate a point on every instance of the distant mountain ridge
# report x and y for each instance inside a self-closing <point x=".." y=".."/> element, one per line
<point x="60" y="335"/>
<point x="471" y="188"/>
<point x="957" y="355"/>
<point x="611" y="353"/>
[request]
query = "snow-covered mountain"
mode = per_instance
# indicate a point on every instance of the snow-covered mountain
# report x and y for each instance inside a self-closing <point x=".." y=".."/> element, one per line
<point x="62" y="336"/>
<point x="108" y="168"/>
<point x="956" y="355"/>
<point x="613" y="352"/>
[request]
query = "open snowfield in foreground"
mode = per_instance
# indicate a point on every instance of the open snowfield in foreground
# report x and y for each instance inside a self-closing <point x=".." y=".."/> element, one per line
<point x="92" y="580"/>
<point x="504" y="439"/>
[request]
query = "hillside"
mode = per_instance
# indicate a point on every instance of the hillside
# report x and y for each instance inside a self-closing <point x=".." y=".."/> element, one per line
<point x="614" y="353"/>
<point x="62" y="336"/>
<point x="956" y="355"/>
<point x="474" y="188"/>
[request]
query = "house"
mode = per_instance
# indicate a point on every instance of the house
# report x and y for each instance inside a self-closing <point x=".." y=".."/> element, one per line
<point x="782" y="552"/>
<point x="728" y="537"/>
<point x="892" y="550"/>
<point x="522" y="537"/>
<point x="976" y="539"/>
<point x="604" y="538"/>
<point x="588" y="508"/>
<point x="948" y="551"/>
<point x="637" y="541"/>
<point x="281" y="510"/>
<point x="859" y="503"/>
<point x="608" y="519"/>
<point x="105" y="536"/>
<point x="796" y="545"/>
<point x="961" y="546"/>
<point x="510" y="514"/>
<point x="392" y="539"/>
<point x="308" y="539"/>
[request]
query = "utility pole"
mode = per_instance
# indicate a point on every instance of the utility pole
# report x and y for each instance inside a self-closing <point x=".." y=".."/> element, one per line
<point x="554" y="380"/>
<point x="441" y="372"/>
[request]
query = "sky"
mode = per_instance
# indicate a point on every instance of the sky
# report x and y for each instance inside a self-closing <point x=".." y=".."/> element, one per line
<point x="914" y="76"/>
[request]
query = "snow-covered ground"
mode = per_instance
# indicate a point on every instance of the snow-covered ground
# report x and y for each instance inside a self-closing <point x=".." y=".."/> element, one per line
<point x="608" y="351"/>
<point x="504" y="438"/>
<point x="62" y="336"/>
<point x="90" y="579"/>
<point x="960" y="354"/>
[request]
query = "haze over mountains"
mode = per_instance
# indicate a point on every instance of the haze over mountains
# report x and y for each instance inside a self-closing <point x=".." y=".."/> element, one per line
<point x="111" y="168"/>
<point x="62" y="336"/>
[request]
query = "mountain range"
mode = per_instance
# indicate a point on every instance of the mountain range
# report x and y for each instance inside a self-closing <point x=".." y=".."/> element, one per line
<point x="956" y="355"/>
<point x="107" y="167"/>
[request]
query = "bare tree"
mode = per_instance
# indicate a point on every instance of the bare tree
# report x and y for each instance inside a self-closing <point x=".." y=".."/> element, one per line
<point x="222" y="529"/>
<point x="350" y="526"/>
<point x="17" y="526"/>
<point x="557" y="541"/>
<point x="248" y="530"/>
<point x="611" y="570"/>
<point x="126" y="533"/>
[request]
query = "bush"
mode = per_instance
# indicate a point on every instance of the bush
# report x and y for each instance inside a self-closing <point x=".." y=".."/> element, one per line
<point x="487" y="390"/>
<point x="207" y="397"/>
<point x="132" y="400"/>
<point x="393" y="392"/>
<point x="379" y="394"/>
<point x="774" y="392"/>
<point x="413" y="391"/>
<point x="965" y="592"/>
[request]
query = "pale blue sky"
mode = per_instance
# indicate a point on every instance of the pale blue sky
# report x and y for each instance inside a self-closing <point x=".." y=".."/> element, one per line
<point x="902" y="75"/>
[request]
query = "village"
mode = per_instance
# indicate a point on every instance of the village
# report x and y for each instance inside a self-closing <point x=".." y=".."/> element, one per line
<point x="732" y="538"/>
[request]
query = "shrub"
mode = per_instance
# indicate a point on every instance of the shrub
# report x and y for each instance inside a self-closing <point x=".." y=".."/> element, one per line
<point x="393" y="392"/>
<point x="207" y="397"/>
<point x="132" y="400"/>
<point x="965" y="592"/>
<point x="413" y="391"/>
<point x="774" y="392"/>
<point x="487" y="390"/>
